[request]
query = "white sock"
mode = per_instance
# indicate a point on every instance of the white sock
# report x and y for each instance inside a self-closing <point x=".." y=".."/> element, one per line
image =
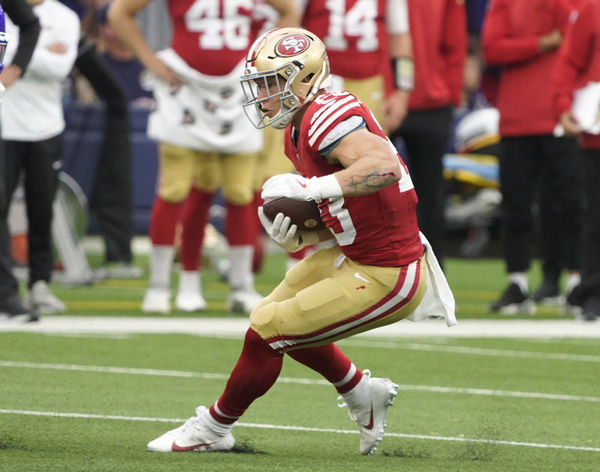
<point x="189" y="281"/>
<point x="573" y="279"/>
<point x="519" y="278"/>
<point x="240" y="267"/>
<point x="161" y="263"/>
<point x="357" y="397"/>
<point x="219" y="428"/>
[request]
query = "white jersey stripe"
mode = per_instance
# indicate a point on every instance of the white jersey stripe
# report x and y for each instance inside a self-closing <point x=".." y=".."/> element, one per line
<point x="331" y="119"/>
<point x="321" y="110"/>
<point x="396" y="300"/>
<point x="327" y="111"/>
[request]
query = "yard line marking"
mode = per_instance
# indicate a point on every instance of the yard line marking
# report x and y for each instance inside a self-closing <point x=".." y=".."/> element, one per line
<point x="303" y="428"/>
<point x="472" y="350"/>
<point x="214" y="376"/>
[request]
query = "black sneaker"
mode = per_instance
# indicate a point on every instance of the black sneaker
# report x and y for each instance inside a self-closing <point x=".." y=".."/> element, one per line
<point x="548" y="293"/>
<point x="513" y="301"/>
<point x="574" y="301"/>
<point x="13" y="310"/>
<point x="591" y="309"/>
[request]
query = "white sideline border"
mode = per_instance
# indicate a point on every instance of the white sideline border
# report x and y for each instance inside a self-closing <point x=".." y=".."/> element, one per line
<point x="238" y="326"/>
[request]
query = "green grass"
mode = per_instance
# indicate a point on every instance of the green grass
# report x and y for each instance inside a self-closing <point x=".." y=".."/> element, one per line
<point x="497" y="425"/>
<point x="91" y="403"/>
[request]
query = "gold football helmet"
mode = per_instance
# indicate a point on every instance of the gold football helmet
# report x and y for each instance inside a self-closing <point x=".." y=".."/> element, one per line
<point x="293" y="54"/>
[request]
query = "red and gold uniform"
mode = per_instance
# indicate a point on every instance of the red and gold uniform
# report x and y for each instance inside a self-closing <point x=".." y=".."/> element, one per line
<point x="377" y="273"/>
<point x="350" y="29"/>
<point x="205" y="143"/>
<point x="386" y="237"/>
<point x="355" y="33"/>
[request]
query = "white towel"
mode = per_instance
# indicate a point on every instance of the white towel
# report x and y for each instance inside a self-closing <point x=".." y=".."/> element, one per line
<point x="438" y="301"/>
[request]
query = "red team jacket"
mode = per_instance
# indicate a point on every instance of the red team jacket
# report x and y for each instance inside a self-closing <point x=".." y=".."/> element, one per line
<point x="578" y="62"/>
<point x="212" y="40"/>
<point x="376" y="229"/>
<point x="355" y="35"/>
<point x="439" y="39"/>
<point x="510" y="36"/>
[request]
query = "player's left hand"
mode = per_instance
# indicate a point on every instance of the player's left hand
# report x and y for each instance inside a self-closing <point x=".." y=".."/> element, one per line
<point x="287" y="185"/>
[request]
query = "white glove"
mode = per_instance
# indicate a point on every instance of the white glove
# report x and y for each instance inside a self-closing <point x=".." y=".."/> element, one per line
<point x="300" y="188"/>
<point x="286" y="234"/>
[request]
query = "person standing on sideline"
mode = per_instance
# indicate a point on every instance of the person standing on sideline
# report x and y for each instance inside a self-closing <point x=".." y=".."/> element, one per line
<point x="523" y="36"/>
<point x="439" y="38"/>
<point x="204" y="142"/>
<point x="111" y="197"/>
<point x="32" y="125"/>
<point x="11" y="307"/>
<point x="577" y="65"/>
<point x="380" y="271"/>
<point x="362" y="39"/>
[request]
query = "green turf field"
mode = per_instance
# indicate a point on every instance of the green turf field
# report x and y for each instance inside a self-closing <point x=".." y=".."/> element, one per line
<point x="91" y="402"/>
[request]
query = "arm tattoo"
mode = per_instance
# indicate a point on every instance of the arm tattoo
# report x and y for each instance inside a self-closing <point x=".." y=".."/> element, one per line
<point x="371" y="182"/>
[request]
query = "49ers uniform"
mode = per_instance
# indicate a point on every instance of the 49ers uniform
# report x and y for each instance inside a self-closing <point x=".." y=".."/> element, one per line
<point x="377" y="229"/>
<point x="377" y="274"/>
<point x="355" y="30"/>
<point x="350" y="29"/>
<point x="206" y="144"/>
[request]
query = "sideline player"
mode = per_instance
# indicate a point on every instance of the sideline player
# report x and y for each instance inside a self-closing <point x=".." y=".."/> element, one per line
<point x="362" y="38"/>
<point x="204" y="141"/>
<point x="381" y="270"/>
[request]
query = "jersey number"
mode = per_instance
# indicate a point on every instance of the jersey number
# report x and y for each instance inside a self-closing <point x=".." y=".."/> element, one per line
<point x="220" y="30"/>
<point x="347" y="235"/>
<point x="359" y="22"/>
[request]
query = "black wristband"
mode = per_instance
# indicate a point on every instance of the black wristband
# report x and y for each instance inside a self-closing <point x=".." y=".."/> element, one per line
<point x="403" y="69"/>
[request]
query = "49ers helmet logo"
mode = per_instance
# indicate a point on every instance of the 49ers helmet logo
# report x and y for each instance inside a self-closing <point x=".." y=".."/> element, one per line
<point x="292" y="45"/>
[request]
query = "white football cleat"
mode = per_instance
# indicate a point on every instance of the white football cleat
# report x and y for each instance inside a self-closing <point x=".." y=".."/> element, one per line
<point x="370" y="418"/>
<point x="192" y="436"/>
<point x="40" y="298"/>
<point x="189" y="295"/>
<point x="157" y="300"/>
<point x="243" y="301"/>
<point x="190" y="301"/>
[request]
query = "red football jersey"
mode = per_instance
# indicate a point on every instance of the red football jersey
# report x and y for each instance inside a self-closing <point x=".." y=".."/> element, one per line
<point x="212" y="36"/>
<point x="350" y="29"/>
<point x="376" y="229"/>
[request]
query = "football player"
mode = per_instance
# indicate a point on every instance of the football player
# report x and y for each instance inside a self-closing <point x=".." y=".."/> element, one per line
<point x="380" y="271"/>
<point x="204" y="141"/>
<point x="362" y="37"/>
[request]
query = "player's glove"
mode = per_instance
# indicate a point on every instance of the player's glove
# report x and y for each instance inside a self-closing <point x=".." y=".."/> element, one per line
<point x="300" y="188"/>
<point x="286" y="234"/>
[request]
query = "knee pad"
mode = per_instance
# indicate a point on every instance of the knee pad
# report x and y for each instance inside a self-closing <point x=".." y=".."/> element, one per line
<point x="262" y="320"/>
<point x="238" y="192"/>
<point x="175" y="191"/>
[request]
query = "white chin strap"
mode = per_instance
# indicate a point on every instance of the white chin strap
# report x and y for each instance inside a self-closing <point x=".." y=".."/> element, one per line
<point x="280" y="122"/>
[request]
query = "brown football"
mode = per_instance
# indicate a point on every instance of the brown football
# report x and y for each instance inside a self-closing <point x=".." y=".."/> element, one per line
<point x="304" y="214"/>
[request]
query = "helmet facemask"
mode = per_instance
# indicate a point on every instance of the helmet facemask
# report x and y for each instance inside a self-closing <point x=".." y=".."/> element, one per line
<point x="276" y="85"/>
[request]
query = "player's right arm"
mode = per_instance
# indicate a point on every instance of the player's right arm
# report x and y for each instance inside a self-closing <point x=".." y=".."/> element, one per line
<point x="369" y="163"/>
<point x="121" y="15"/>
